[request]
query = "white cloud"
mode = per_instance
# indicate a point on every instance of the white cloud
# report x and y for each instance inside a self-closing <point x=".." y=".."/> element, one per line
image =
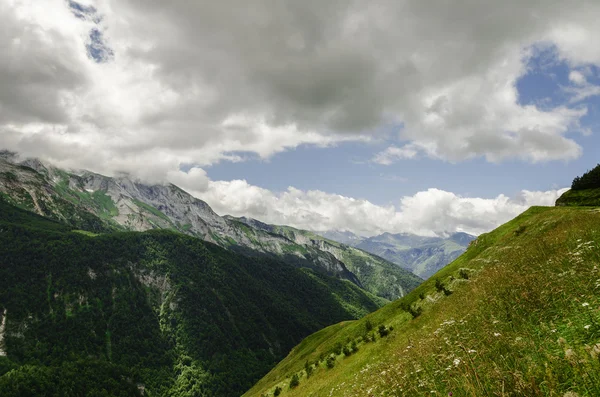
<point x="577" y="77"/>
<point x="394" y="153"/>
<point x="430" y="212"/>
<point x="196" y="81"/>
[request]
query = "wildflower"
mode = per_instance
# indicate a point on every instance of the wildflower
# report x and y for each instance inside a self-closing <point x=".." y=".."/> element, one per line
<point x="569" y="353"/>
<point x="587" y="326"/>
<point x="456" y="362"/>
<point x="585" y="304"/>
<point x="472" y="351"/>
<point x="496" y="334"/>
<point x="595" y="351"/>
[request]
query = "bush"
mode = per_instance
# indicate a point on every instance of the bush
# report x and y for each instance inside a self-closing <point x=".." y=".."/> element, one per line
<point x="464" y="274"/>
<point x="347" y="351"/>
<point x="383" y="331"/>
<point x="337" y="349"/>
<point x="295" y="381"/>
<point x="330" y="362"/>
<point x="413" y="312"/>
<point x="354" y="347"/>
<point x="589" y="180"/>
<point x="277" y="391"/>
<point x="369" y="325"/>
<point x="308" y="368"/>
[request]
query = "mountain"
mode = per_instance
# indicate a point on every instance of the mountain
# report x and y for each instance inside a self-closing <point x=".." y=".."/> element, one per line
<point x="374" y="273"/>
<point x="124" y="204"/>
<point x="94" y="202"/>
<point x="517" y="314"/>
<point x="346" y="237"/>
<point x="157" y="313"/>
<point x="422" y="255"/>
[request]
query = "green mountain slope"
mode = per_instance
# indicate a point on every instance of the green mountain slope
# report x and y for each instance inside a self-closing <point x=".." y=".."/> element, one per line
<point x="518" y="314"/>
<point x="375" y="274"/>
<point x="585" y="197"/>
<point x="156" y="311"/>
<point x="94" y="202"/>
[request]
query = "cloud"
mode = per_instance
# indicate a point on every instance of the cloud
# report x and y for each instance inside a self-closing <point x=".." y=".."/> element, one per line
<point x="197" y="81"/>
<point x="430" y="212"/>
<point x="577" y="77"/>
<point x="394" y="153"/>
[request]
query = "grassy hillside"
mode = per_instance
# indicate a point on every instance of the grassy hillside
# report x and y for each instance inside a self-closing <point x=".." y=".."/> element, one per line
<point x="517" y="315"/>
<point x="586" y="197"/>
<point x="158" y="311"/>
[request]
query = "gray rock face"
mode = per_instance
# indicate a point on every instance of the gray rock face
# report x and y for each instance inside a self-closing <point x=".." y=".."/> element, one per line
<point x="129" y="204"/>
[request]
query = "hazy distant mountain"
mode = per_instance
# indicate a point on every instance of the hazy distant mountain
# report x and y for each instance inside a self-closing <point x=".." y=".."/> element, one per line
<point x="422" y="255"/>
<point x="346" y="237"/>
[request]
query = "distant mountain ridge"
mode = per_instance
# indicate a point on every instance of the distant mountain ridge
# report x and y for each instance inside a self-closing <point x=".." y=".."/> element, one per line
<point x="420" y="254"/>
<point x="122" y="203"/>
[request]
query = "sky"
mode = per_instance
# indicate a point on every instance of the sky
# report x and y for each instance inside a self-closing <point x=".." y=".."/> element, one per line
<point x="380" y="116"/>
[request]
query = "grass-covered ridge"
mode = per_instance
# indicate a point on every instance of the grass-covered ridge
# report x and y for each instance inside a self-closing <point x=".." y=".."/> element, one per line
<point x="518" y="314"/>
<point x="583" y="198"/>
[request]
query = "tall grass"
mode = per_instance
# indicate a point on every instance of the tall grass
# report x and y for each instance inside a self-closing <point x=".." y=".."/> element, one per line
<point x="525" y="322"/>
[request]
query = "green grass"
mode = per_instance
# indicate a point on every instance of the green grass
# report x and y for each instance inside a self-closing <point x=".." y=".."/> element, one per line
<point x="152" y="210"/>
<point x="86" y="233"/>
<point x="522" y="319"/>
<point x="587" y="197"/>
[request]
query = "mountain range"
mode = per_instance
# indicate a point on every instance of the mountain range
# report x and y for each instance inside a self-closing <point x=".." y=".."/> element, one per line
<point x="422" y="255"/>
<point x="95" y="202"/>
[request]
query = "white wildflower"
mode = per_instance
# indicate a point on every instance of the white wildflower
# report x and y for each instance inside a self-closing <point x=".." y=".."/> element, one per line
<point x="456" y="362"/>
<point x="585" y="304"/>
<point x="496" y="334"/>
<point x="587" y="326"/>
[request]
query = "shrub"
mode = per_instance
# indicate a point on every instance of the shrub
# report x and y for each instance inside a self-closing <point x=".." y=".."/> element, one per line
<point x="347" y="351"/>
<point x="464" y="274"/>
<point x="383" y="331"/>
<point x="413" y="312"/>
<point x="330" y="362"/>
<point x="337" y="349"/>
<point x="277" y="391"/>
<point x="308" y="368"/>
<point x="369" y="325"/>
<point x="354" y="347"/>
<point x="295" y="381"/>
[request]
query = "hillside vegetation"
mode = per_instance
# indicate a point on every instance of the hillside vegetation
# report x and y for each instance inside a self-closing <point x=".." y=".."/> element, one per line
<point x="374" y="273"/>
<point x="517" y="315"/>
<point x="585" y="190"/>
<point x="116" y="314"/>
